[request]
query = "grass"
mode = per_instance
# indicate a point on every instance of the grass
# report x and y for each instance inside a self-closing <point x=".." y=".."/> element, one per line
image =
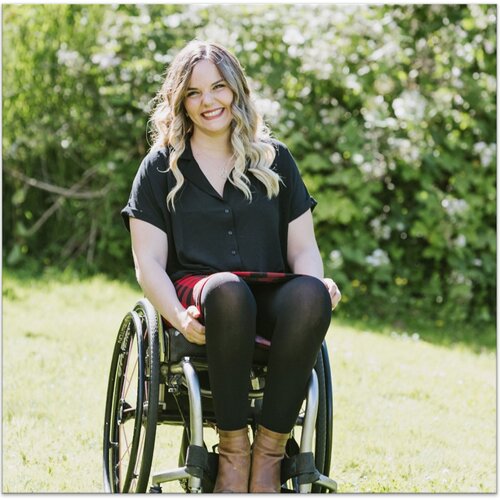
<point x="409" y="416"/>
<point x="452" y="333"/>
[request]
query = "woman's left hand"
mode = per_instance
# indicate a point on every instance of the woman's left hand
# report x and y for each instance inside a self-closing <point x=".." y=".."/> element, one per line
<point x="333" y="290"/>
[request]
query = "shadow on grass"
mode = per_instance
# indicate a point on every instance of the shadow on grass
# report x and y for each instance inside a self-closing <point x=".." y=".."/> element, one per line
<point x="36" y="273"/>
<point x="478" y="337"/>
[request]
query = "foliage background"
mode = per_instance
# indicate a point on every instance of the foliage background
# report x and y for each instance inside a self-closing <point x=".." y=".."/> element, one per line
<point x="390" y="112"/>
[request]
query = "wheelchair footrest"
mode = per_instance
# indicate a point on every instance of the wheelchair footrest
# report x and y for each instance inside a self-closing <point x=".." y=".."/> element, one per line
<point x="302" y="467"/>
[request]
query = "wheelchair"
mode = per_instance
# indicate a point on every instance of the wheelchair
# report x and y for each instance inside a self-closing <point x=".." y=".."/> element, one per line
<point x="158" y="377"/>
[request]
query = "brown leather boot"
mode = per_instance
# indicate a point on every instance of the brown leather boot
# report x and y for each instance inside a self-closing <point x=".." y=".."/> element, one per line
<point x="268" y="451"/>
<point x="234" y="462"/>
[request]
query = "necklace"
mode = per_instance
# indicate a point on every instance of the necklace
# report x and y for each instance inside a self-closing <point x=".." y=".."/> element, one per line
<point x="225" y="170"/>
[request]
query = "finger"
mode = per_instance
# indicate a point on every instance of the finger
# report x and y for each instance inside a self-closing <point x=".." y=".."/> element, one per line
<point x="327" y="282"/>
<point x="193" y="311"/>
<point x="196" y="338"/>
<point x="336" y="299"/>
<point x="197" y="327"/>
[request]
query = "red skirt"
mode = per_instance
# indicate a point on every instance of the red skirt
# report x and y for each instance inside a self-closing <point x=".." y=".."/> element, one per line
<point x="189" y="287"/>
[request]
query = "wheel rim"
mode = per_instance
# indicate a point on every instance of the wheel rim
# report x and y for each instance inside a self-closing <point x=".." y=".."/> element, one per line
<point x="128" y="415"/>
<point x="123" y="436"/>
<point x="129" y="418"/>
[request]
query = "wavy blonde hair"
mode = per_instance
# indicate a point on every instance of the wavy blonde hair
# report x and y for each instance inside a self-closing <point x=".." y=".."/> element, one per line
<point x="250" y="138"/>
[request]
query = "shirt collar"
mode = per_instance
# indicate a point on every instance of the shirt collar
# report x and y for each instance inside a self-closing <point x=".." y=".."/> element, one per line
<point x="187" y="154"/>
<point x="191" y="170"/>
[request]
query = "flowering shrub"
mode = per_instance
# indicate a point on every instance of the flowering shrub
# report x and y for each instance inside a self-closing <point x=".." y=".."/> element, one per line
<point x="390" y="112"/>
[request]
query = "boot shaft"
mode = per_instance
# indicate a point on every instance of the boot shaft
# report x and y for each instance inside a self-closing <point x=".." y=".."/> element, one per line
<point x="234" y="462"/>
<point x="267" y="453"/>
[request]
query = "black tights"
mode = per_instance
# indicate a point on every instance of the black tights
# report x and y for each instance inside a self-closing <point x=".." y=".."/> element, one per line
<point x="295" y="315"/>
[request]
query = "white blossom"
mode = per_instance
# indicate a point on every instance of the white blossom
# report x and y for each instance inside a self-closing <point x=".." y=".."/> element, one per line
<point x="336" y="158"/>
<point x="407" y="151"/>
<point x="374" y="169"/>
<point x="268" y="108"/>
<point x="357" y="158"/>
<point x="172" y="21"/>
<point x="487" y="152"/>
<point x="454" y="206"/>
<point x="293" y="36"/>
<point x="377" y="258"/>
<point x="461" y="241"/>
<point x="336" y="259"/>
<point x="380" y="230"/>
<point x="106" y="60"/>
<point x="410" y="106"/>
<point x="70" y="58"/>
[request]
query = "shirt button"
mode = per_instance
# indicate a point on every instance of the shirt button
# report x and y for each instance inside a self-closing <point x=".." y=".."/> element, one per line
<point x="233" y="252"/>
<point x="226" y="210"/>
<point x="230" y="233"/>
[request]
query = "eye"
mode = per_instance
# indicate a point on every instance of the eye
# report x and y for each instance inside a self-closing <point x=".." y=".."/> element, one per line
<point x="219" y="86"/>
<point x="191" y="93"/>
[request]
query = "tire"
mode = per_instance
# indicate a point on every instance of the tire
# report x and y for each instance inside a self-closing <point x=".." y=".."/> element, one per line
<point x="132" y="403"/>
<point x="323" y="430"/>
<point x="323" y="427"/>
<point x="329" y="409"/>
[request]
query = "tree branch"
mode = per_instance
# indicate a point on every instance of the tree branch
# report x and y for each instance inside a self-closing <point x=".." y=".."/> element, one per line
<point x="59" y="201"/>
<point x="64" y="192"/>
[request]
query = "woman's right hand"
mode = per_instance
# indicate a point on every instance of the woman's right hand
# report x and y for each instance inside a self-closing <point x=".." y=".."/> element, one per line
<point x="192" y="329"/>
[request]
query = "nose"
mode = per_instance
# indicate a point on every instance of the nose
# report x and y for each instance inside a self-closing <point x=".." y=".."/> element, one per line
<point x="207" y="97"/>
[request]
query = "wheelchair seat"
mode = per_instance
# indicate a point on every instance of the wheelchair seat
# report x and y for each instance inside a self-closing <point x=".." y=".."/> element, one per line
<point x="178" y="347"/>
<point x="158" y="377"/>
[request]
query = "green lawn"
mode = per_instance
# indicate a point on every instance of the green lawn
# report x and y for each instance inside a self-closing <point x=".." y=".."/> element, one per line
<point x="409" y="416"/>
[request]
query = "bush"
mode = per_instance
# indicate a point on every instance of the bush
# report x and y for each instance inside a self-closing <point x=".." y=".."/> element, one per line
<point x="390" y="112"/>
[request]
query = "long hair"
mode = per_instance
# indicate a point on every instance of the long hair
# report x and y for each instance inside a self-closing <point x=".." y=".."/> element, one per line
<point x="250" y="138"/>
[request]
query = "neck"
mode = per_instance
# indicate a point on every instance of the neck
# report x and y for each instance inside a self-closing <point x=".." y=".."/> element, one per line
<point x="212" y="144"/>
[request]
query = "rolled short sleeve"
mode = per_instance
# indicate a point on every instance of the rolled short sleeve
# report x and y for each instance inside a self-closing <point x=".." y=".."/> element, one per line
<point x="299" y="199"/>
<point x="147" y="200"/>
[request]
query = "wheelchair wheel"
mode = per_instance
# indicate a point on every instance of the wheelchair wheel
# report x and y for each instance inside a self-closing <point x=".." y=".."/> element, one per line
<point x="132" y="403"/>
<point x="329" y="409"/>
<point x="323" y="431"/>
<point x="323" y="428"/>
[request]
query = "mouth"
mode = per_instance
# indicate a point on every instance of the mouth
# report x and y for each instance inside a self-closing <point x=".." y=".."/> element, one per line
<point x="212" y="114"/>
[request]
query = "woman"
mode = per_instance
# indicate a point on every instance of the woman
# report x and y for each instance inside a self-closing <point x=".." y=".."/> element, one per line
<point x="224" y="248"/>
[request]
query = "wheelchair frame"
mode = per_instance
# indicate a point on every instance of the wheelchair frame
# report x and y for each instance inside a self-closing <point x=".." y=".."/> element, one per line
<point x="168" y="370"/>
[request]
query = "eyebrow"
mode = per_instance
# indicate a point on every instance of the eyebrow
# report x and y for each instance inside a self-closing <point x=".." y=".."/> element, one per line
<point x="215" y="83"/>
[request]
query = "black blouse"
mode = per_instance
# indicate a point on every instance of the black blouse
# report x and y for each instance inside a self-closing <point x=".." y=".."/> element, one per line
<point x="208" y="233"/>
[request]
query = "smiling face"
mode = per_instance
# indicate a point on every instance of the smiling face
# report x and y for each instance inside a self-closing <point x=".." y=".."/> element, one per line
<point x="208" y="100"/>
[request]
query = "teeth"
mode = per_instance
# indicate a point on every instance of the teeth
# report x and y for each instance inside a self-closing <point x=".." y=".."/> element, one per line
<point x="212" y="113"/>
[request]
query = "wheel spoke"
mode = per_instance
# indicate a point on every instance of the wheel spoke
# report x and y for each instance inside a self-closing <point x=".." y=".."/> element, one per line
<point x="129" y="381"/>
<point x="138" y="462"/>
<point x="124" y="460"/>
<point x="127" y="444"/>
<point x="130" y="437"/>
<point x="133" y="483"/>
